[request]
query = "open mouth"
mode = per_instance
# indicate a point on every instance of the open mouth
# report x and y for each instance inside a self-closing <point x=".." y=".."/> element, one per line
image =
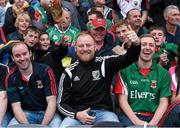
<point x="85" y="53"/>
<point x="156" y="39"/>
<point x="23" y="27"/>
<point x="45" y="46"/>
<point x="147" y="53"/>
<point x="22" y="63"/>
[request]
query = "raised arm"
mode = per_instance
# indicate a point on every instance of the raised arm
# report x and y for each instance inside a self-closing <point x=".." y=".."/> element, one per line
<point x="118" y="62"/>
<point x="60" y="51"/>
<point x="131" y="55"/>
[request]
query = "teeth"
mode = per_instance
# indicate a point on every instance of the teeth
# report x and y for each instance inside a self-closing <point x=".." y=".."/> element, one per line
<point x="147" y="53"/>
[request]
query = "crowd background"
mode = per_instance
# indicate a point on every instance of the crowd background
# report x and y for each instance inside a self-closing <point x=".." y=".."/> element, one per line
<point x="50" y="29"/>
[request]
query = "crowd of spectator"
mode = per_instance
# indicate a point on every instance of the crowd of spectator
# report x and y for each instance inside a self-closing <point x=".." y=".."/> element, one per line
<point x="70" y="63"/>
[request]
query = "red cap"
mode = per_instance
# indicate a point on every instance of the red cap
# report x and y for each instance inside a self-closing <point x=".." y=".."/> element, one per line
<point x="98" y="23"/>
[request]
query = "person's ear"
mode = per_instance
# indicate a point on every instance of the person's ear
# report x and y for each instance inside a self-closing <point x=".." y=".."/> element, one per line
<point x="165" y="17"/>
<point x="12" y="57"/>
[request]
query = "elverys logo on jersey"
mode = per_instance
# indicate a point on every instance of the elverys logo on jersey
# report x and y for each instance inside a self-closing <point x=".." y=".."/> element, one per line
<point x="135" y="94"/>
<point x="96" y="75"/>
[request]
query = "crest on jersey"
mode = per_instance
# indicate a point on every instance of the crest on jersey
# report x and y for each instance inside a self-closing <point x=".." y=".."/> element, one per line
<point x="153" y="83"/>
<point x="96" y="75"/>
<point x="39" y="84"/>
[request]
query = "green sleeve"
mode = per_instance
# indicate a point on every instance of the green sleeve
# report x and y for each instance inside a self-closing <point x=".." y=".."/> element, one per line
<point x="171" y="48"/>
<point x="77" y="31"/>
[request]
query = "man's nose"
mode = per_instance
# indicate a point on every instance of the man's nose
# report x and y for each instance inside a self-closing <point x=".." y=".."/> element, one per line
<point x="22" y="57"/>
<point x="85" y="48"/>
<point x="147" y="46"/>
<point x="33" y="38"/>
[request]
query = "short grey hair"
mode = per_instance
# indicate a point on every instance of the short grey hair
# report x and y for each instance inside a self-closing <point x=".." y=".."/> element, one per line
<point x="168" y="9"/>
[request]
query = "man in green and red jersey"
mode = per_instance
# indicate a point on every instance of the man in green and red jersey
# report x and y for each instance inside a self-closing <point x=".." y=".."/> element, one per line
<point x="63" y="29"/>
<point x="143" y="88"/>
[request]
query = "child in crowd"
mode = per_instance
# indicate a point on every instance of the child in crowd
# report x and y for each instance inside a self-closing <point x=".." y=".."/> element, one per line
<point x="51" y="54"/>
<point x="165" y="52"/>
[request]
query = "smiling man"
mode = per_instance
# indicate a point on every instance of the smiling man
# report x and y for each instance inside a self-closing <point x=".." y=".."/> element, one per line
<point x="134" y="18"/>
<point x="143" y="88"/>
<point x="85" y="84"/>
<point x="31" y="90"/>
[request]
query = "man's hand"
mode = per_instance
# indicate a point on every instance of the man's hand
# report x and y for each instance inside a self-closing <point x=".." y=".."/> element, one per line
<point x="119" y="50"/>
<point x="163" y="59"/>
<point x="131" y="37"/>
<point x="139" y="122"/>
<point x="84" y="118"/>
<point x="64" y="41"/>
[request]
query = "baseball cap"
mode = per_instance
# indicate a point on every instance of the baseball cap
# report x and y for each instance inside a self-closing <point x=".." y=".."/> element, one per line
<point x="96" y="23"/>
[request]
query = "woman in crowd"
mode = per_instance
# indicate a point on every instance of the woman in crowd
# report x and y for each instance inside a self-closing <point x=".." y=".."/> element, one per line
<point x="23" y="21"/>
<point x="18" y="7"/>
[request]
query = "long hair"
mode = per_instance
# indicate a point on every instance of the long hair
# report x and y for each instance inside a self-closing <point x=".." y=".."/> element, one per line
<point x="177" y="71"/>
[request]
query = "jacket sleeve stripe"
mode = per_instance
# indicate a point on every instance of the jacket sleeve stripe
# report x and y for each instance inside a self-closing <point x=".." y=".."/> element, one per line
<point x="60" y="91"/>
<point x="103" y="68"/>
<point x="52" y="82"/>
<point x="69" y="73"/>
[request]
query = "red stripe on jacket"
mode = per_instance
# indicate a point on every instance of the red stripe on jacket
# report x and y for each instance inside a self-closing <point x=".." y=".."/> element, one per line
<point x="8" y="75"/>
<point x="52" y="82"/>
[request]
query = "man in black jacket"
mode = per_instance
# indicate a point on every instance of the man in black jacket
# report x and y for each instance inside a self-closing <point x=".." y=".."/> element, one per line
<point x="85" y="85"/>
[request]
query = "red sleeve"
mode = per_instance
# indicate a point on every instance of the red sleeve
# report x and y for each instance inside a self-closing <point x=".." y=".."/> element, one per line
<point x="120" y="87"/>
<point x="53" y="86"/>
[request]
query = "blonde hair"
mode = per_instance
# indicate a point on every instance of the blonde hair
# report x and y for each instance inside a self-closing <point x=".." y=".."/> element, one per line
<point x="23" y="15"/>
<point x="121" y="23"/>
<point x="56" y="13"/>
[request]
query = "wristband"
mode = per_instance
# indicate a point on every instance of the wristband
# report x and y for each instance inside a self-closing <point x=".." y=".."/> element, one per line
<point x="145" y="124"/>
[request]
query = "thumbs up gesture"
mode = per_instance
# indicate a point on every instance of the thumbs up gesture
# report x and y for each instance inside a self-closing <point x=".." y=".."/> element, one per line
<point x="131" y="37"/>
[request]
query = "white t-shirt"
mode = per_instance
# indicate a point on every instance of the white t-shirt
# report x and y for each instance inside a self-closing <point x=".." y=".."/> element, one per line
<point x="126" y="5"/>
